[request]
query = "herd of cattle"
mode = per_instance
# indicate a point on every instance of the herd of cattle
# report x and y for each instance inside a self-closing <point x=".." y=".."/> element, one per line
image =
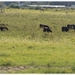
<point x="68" y="27"/>
<point x="46" y="28"/>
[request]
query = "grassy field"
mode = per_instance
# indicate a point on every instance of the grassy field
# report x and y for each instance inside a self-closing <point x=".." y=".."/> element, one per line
<point x="29" y="50"/>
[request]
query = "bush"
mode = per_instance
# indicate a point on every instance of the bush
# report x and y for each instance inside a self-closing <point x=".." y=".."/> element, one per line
<point x="36" y="8"/>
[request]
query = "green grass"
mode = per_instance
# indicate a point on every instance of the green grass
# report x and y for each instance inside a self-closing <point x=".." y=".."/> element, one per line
<point x="25" y="44"/>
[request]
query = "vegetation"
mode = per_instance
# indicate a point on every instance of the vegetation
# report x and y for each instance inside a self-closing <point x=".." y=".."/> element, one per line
<point x="25" y="3"/>
<point x="13" y="5"/>
<point x="66" y="3"/>
<point x="25" y="44"/>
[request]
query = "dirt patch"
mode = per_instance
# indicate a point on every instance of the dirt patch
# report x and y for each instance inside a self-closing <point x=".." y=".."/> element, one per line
<point x="12" y="69"/>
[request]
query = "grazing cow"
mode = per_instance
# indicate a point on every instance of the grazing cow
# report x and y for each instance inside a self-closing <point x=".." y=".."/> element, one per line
<point x="46" y="29"/>
<point x="64" y="29"/>
<point x="42" y="26"/>
<point x="74" y="27"/>
<point x="3" y="28"/>
<point x="71" y="26"/>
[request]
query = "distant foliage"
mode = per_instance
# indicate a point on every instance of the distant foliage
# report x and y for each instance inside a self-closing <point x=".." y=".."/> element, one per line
<point x="35" y="8"/>
<point x="13" y="6"/>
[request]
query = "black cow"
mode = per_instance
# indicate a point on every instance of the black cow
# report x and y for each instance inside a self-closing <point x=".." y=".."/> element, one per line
<point x="71" y="26"/>
<point x="64" y="29"/>
<point x="74" y="27"/>
<point x="46" y="29"/>
<point x="3" y="28"/>
<point x="42" y="26"/>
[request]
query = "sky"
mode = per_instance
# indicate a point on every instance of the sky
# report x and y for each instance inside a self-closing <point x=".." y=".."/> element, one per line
<point x="38" y="0"/>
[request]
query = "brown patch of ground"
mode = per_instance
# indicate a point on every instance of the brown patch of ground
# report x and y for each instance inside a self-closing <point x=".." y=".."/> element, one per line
<point x="12" y="69"/>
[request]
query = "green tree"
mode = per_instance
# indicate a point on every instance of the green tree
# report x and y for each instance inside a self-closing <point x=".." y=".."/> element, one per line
<point x="13" y="5"/>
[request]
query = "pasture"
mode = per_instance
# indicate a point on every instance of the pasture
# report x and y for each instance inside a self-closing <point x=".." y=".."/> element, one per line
<point x="30" y="50"/>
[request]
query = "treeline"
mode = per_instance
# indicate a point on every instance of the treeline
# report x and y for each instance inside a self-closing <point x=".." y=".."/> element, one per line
<point x="54" y="3"/>
<point x="25" y="3"/>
